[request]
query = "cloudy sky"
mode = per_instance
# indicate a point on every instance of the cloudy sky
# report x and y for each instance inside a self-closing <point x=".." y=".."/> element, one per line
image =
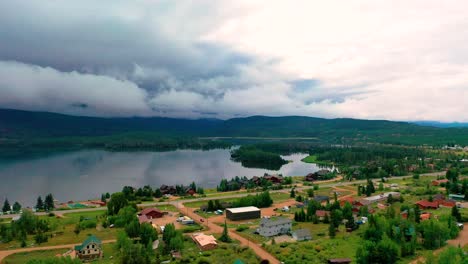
<point x="397" y="60"/>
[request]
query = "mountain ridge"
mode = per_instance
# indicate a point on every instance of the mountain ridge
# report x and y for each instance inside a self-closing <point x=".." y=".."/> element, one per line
<point x="26" y="125"/>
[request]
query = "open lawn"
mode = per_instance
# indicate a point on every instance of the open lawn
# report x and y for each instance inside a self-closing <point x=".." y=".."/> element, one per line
<point x="62" y="228"/>
<point x="225" y="253"/>
<point x="313" y="159"/>
<point x="163" y="208"/>
<point x="21" y="258"/>
<point x="319" y="249"/>
<point x="110" y="255"/>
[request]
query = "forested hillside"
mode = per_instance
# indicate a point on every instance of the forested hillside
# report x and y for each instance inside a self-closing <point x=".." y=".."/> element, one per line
<point x="24" y="126"/>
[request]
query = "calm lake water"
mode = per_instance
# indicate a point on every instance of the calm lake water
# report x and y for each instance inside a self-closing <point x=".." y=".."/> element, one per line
<point x="86" y="174"/>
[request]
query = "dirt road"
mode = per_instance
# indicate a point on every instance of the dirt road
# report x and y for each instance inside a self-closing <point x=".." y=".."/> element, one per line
<point x="214" y="228"/>
<point x="6" y="253"/>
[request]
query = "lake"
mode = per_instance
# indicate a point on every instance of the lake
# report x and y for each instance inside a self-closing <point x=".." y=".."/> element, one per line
<point x="83" y="175"/>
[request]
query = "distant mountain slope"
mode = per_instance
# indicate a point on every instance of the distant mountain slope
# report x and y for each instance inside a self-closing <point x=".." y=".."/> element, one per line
<point x="15" y="124"/>
<point x="440" y="124"/>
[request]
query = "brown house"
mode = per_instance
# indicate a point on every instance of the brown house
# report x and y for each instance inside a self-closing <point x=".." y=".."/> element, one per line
<point x="146" y="215"/>
<point x="205" y="242"/>
<point x="318" y="175"/>
<point x="424" y="204"/>
<point x="439" y="182"/>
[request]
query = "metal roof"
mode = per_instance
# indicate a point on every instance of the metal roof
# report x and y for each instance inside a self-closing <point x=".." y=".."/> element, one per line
<point x="243" y="209"/>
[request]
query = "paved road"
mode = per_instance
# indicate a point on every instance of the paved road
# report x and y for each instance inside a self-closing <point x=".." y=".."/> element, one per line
<point x="332" y="184"/>
<point x="6" y="253"/>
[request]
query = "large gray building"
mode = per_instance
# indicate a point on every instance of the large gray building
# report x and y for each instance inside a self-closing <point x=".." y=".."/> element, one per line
<point x="274" y="226"/>
<point x="243" y="213"/>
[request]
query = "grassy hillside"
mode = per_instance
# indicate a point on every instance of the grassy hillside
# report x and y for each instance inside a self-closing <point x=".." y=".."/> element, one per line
<point x="24" y="126"/>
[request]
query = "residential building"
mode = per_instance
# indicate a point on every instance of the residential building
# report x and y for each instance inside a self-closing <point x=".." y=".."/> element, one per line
<point x="425" y="204"/>
<point x="321" y="214"/>
<point x="318" y="175"/>
<point x="148" y="214"/>
<point x="439" y="182"/>
<point x="301" y="234"/>
<point x="243" y="213"/>
<point x="379" y="198"/>
<point x="90" y="249"/>
<point x="205" y="242"/>
<point x="274" y="226"/>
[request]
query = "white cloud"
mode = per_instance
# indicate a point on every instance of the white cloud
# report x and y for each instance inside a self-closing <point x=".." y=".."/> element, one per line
<point x="32" y="87"/>
<point x="372" y="59"/>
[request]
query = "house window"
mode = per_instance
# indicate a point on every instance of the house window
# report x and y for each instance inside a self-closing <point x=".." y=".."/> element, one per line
<point x="89" y="251"/>
<point x="92" y="246"/>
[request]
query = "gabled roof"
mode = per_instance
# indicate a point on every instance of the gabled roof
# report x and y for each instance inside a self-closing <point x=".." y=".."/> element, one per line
<point x="267" y="222"/>
<point x="322" y="213"/>
<point x="89" y="240"/>
<point x="425" y="203"/>
<point x="149" y="210"/>
<point x="301" y="233"/>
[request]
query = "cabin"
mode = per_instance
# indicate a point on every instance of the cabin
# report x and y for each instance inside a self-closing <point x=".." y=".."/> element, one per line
<point x="439" y="182"/>
<point x="90" y="249"/>
<point x="425" y="204"/>
<point x="302" y="234"/>
<point x="318" y="175"/>
<point x="148" y="214"/>
<point x="165" y="189"/>
<point x="321" y="214"/>
<point x="276" y="179"/>
<point x="205" y="242"/>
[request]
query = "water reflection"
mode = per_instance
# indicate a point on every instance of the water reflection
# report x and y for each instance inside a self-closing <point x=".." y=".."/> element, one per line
<point x="87" y="174"/>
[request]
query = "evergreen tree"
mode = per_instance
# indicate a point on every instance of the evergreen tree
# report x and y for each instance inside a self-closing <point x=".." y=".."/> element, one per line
<point x="16" y="207"/>
<point x="310" y="192"/>
<point x="6" y="206"/>
<point x="39" y="204"/>
<point x="49" y="202"/>
<point x="225" y="236"/>
<point x="332" y="230"/>
<point x="103" y="198"/>
<point x="157" y="193"/>
<point x="456" y="214"/>
<point x="293" y="193"/>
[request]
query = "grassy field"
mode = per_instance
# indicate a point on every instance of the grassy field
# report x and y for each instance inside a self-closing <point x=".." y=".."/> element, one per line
<point x="110" y="255"/>
<point x="164" y="208"/>
<point x="225" y="253"/>
<point x="313" y="159"/>
<point x="62" y="230"/>
<point x="319" y="249"/>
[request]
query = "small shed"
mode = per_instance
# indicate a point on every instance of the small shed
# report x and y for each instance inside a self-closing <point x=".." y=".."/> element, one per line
<point x="302" y="234"/>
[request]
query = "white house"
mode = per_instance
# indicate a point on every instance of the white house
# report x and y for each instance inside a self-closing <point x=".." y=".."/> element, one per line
<point x="274" y="226"/>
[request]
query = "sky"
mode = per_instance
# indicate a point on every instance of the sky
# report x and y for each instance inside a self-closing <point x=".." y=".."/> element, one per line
<point x="395" y="60"/>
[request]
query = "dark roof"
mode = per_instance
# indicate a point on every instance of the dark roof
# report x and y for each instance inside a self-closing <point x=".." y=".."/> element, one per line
<point x="321" y="198"/>
<point x="265" y="222"/>
<point x="89" y="240"/>
<point x="149" y="210"/>
<point x="301" y="233"/>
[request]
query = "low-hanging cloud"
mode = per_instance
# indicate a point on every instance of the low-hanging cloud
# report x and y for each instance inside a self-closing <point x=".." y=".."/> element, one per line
<point x="368" y="59"/>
